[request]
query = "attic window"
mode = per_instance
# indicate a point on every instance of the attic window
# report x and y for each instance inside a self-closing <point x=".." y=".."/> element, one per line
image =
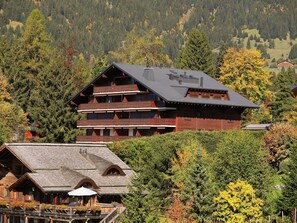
<point x="207" y="94"/>
<point x="114" y="170"/>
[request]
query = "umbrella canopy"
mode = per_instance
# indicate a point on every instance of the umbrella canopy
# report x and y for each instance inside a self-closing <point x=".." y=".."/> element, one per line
<point x="82" y="191"/>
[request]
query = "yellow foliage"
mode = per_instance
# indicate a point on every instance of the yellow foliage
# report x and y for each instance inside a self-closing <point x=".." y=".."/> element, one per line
<point x="291" y="116"/>
<point x="243" y="71"/>
<point x="238" y="203"/>
<point x="146" y="50"/>
<point x="4" y="95"/>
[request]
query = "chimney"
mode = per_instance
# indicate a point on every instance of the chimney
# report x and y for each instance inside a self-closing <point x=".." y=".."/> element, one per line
<point x="148" y="73"/>
<point x="201" y="81"/>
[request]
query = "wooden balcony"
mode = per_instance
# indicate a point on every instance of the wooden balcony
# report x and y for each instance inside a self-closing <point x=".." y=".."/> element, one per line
<point x="93" y="139"/>
<point x="116" y="90"/>
<point x="126" y="123"/>
<point x="123" y="106"/>
<point x="68" y="214"/>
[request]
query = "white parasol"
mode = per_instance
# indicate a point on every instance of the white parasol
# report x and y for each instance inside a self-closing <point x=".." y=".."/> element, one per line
<point x="82" y="191"/>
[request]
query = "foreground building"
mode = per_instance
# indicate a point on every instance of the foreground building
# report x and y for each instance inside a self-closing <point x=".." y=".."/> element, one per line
<point x="132" y="100"/>
<point x="46" y="172"/>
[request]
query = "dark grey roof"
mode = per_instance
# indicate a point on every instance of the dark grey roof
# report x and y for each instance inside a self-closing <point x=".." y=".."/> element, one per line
<point x="175" y="91"/>
<point x="60" y="167"/>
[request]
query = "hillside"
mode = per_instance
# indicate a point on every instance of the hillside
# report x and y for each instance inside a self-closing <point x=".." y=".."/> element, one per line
<point x="101" y="25"/>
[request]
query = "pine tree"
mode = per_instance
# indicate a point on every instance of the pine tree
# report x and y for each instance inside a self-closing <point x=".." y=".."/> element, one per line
<point x="288" y="199"/>
<point x="13" y="121"/>
<point x="141" y="202"/>
<point x="196" y="54"/>
<point x="282" y="100"/>
<point x="57" y="123"/>
<point x="248" y="44"/>
<point x="293" y="52"/>
<point x="36" y="48"/>
<point x="197" y="193"/>
<point x="220" y="59"/>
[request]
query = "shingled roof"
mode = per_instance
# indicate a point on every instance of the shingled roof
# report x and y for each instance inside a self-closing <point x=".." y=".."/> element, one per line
<point x="60" y="167"/>
<point x="172" y="85"/>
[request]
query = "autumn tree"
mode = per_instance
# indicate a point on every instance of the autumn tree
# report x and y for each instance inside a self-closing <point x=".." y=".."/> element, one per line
<point x="193" y="190"/>
<point x="291" y="116"/>
<point x="147" y="49"/>
<point x="196" y="54"/>
<point x="238" y="203"/>
<point x="243" y="71"/>
<point x="278" y="141"/>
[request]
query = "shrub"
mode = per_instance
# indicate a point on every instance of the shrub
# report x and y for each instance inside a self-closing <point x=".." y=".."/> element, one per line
<point x="30" y="205"/>
<point x="16" y="204"/>
<point x="95" y="208"/>
<point x="81" y="208"/>
<point x="45" y="206"/>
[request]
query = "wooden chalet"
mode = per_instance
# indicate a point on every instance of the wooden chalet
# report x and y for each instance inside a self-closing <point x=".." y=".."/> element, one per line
<point x="44" y="173"/>
<point x="132" y="100"/>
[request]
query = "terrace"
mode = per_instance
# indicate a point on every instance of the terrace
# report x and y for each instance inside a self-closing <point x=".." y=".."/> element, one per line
<point x="52" y="213"/>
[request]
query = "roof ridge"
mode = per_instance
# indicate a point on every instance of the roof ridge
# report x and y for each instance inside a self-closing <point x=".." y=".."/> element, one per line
<point x="57" y="144"/>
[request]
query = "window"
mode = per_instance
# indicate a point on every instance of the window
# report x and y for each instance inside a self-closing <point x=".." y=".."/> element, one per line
<point x="113" y="171"/>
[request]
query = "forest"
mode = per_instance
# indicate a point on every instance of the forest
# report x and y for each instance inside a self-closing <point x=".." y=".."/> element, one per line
<point x="49" y="50"/>
<point x="101" y="25"/>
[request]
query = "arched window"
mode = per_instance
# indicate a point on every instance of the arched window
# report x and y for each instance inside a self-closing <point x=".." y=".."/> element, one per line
<point x="113" y="171"/>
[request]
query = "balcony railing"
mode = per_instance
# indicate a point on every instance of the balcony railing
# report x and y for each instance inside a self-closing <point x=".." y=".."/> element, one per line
<point x="113" y="123"/>
<point x="91" y="139"/>
<point x="54" y="211"/>
<point x="117" y="89"/>
<point x="123" y="106"/>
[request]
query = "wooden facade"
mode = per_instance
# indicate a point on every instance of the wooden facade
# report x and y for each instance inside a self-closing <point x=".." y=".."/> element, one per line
<point x="118" y="105"/>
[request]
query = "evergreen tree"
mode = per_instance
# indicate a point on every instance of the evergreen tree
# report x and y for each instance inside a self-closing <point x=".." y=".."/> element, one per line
<point x="13" y="121"/>
<point x="196" y="54"/>
<point x="239" y="156"/>
<point x="282" y="100"/>
<point x="198" y="190"/>
<point x="220" y="59"/>
<point x="271" y="44"/>
<point x="35" y="44"/>
<point x="293" y="52"/>
<point x="248" y="44"/>
<point x="288" y="199"/>
<point x="12" y="67"/>
<point x="141" y="202"/>
<point x="57" y="123"/>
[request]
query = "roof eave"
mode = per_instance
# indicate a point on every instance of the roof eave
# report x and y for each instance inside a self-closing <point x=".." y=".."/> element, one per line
<point x="89" y="84"/>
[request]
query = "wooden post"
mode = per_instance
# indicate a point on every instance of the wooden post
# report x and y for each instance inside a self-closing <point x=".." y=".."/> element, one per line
<point x="26" y="219"/>
<point x="5" y="220"/>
